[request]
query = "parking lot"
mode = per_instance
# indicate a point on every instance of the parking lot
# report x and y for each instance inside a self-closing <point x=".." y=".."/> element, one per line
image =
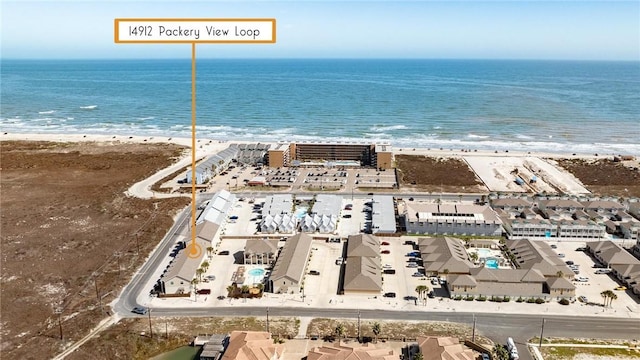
<point x="597" y="283"/>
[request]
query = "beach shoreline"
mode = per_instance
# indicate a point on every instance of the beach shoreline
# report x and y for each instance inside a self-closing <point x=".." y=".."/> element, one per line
<point x="211" y="146"/>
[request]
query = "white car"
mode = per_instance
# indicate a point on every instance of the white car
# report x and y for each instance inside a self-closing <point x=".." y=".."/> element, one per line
<point x="582" y="279"/>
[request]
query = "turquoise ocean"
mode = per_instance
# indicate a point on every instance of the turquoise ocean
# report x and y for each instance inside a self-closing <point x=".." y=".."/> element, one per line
<point x="556" y="106"/>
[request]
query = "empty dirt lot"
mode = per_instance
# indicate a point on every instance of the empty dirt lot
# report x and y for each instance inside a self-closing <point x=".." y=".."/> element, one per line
<point x="67" y="226"/>
<point x="424" y="173"/>
<point x="606" y="177"/>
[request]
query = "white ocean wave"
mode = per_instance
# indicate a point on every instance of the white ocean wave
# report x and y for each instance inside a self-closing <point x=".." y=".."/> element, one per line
<point x="46" y="112"/>
<point x="146" y="118"/>
<point x="474" y="136"/>
<point x="383" y="128"/>
<point x="89" y="107"/>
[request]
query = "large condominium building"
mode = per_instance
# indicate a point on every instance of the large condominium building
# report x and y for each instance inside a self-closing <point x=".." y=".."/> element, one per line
<point x="364" y="154"/>
<point x="452" y="219"/>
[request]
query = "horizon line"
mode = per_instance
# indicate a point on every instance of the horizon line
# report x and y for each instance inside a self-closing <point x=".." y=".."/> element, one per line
<point x="319" y="58"/>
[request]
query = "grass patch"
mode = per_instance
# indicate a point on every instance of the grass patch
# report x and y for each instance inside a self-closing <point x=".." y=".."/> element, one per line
<point x="564" y="353"/>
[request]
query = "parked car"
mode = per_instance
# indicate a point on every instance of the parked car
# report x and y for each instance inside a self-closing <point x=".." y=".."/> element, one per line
<point x="603" y="271"/>
<point x="385" y="252"/>
<point x="389" y="295"/>
<point x="346" y="216"/>
<point x="569" y="262"/>
<point x="221" y="297"/>
<point x="384" y="243"/>
<point x="621" y="288"/>
<point x="387" y="266"/>
<point x="582" y="279"/>
<point x="485" y="356"/>
<point x="412" y="265"/>
<point x="224" y="252"/>
<point x="581" y="248"/>
<point x="561" y="255"/>
<point x="140" y="310"/>
<point x="431" y="294"/>
<point x="233" y="217"/>
<point x="417" y="274"/>
<point x="204" y="291"/>
<point x="442" y="281"/>
<point x="314" y="272"/>
<point x="554" y="246"/>
<point x="434" y="281"/>
<point x="583" y="299"/>
<point x="411" y="298"/>
<point x="389" y="271"/>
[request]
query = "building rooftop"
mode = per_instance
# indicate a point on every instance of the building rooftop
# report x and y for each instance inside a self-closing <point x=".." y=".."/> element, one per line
<point x="293" y="258"/>
<point x="252" y="345"/>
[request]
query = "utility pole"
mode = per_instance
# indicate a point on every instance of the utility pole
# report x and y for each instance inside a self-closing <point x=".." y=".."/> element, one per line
<point x="95" y="281"/>
<point x="267" y="319"/>
<point x="59" y="312"/>
<point x="359" y="339"/>
<point x="541" y="333"/>
<point x="166" y="330"/>
<point x="137" y="245"/>
<point x="473" y="334"/>
<point x="150" y="328"/>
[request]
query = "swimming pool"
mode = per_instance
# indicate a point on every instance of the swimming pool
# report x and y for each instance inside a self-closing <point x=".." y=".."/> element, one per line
<point x="484" y="253"/>
<point x="301" y="212"/>
<point x="491" y="264"/>
<point x="256" y="272"/>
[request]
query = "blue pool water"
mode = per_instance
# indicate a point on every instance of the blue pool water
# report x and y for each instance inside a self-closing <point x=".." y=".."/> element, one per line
<point x="256" y="272"/>
<point x="491" y="264"/>
<point x="301" y="212"/>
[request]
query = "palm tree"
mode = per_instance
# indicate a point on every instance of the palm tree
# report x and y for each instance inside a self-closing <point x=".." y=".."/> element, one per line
<point x="612" y="296"/>
<point x="231" y="289"/>
<point x="500" y="352"/>
<point x="605" y="296"/>
<point x="205" y="265"/>
<point x="560" y="274"/>
<point x="195" y="282"/>
<point x="209" y="251"/>
<point x="340" y="330"/>
<point x="199" y="272"/>
<point x="376" y="328"/>
<point x="422" y="293"/>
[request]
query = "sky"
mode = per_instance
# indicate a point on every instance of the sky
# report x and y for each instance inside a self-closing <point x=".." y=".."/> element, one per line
<point x="555" y="30"/>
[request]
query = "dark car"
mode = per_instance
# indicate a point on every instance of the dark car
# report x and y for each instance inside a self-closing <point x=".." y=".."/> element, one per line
<point x="389" y="295"/>
<point x="431" y="294"/>
<point x="347" y="216"/>
<point x="204" y="291"/>
<point x="314" y="272"/>
<point x="224" y="252"/>
<point x="411" y="298"/>
<point x="140" y="310"/>
<point x="221" y="297"/>
<point x="389" y="271"/>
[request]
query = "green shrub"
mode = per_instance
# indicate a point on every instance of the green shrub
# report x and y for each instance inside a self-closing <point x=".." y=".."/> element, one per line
<point x="506" y="299"/>
<point x="531" y="300"/>
<point x="540" y="301"/>
<point x="458" y="298"/>
<point x="469" y="298"/>
<point x="564" y="301"/>
<point x="481" y="298"/>
<point x="520" y="299"/>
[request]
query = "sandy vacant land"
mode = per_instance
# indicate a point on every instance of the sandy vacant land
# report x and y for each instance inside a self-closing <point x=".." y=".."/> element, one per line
<point x="444" y="174"/>
<point x="499" y="174"/>
<point x="65" y="222"/>
<point x="606" y="177"/>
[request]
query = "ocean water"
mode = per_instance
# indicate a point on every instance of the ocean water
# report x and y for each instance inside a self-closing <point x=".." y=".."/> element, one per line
<point x="557" y="106"/>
